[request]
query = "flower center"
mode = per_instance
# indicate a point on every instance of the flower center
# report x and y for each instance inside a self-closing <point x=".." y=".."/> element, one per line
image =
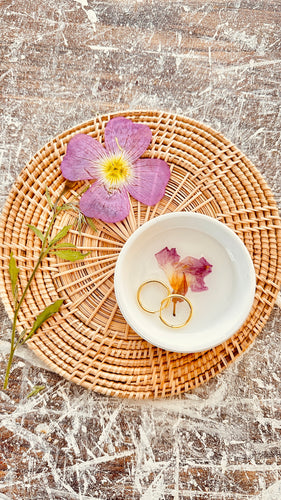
<point x="116" y="171"/>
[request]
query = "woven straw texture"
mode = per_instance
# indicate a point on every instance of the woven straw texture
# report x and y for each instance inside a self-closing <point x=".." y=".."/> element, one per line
<point x="88" y="341"/>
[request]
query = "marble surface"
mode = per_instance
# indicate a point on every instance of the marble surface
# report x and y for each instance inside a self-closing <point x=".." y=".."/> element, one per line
<point x="219" y="62"/>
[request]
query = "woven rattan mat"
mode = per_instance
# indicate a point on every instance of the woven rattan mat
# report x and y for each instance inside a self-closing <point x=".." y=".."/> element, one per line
<point x="88" y="341"/>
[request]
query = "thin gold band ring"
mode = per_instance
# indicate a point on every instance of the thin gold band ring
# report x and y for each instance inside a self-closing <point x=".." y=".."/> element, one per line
<point x="163" y="306"/>
<point x="140" y="290"/>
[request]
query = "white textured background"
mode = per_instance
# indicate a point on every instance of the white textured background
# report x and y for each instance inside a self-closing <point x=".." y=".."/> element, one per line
<point x="218" y="62"/>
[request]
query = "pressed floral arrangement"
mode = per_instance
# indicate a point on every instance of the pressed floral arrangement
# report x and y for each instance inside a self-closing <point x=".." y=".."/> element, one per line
<point x="209" y="176"/>
<point x="117" y="171"/>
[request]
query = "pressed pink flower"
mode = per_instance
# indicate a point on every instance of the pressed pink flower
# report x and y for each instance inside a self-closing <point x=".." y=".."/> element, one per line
<point x="117" y="170"/>
<point x="185" y="273"/>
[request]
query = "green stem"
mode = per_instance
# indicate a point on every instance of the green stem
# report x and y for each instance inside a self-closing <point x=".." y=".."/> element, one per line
<point x="43" y="253"/>
<point x="13" y="346"/>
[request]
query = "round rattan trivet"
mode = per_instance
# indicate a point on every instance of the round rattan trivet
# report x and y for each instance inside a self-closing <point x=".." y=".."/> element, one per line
<point x="88" y="340"/>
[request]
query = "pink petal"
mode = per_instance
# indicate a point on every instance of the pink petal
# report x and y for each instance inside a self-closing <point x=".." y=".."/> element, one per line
<point x="195" y="271"/>
<point x="82" y="154"/>
<point x="167" y="260"/>
<point x="150" y="179"/>
<point x="197" y="284"/>
<point x="133" y="138"/>
<point x="196" y="267"/>
<point x="167" y="257"/>
<point x="99" y="203"/>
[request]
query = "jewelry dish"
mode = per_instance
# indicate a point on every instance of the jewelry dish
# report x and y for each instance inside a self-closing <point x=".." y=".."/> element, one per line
<point x="218" y="311"/>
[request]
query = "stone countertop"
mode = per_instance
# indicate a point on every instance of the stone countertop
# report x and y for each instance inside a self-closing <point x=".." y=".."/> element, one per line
<point x="219" y="62"/>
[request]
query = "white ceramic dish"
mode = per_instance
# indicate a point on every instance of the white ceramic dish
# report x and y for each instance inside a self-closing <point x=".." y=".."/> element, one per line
<point x="218" y="312"/>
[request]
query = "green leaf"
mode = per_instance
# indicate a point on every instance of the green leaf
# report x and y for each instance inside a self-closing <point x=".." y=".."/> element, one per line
<point x="61" y="234"/>
<point x="37" y="231"/>
<point x="20" y="339"/>
<point x="44" y="315"/>
<point x="14" y="271"/>
<point x="35" y="390"/>
<point x="91" y="224"/>
<point x="16" y="293"/>
<point x="67" y="206"/>
<point x="64" y="245"/>
<point x="48" y="196"/>
<point x="70" y="255"/>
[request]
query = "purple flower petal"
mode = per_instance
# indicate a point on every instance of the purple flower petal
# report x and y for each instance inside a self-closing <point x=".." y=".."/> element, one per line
<point x="82" y="154"/>
<point x="150" y="179"/>
<point x="132" y="138"/>
<point x="107" y="206"/>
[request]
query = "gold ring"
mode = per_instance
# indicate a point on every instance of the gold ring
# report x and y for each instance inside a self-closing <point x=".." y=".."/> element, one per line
<point x="147" y="283"/>
<point x="163" y="306"/>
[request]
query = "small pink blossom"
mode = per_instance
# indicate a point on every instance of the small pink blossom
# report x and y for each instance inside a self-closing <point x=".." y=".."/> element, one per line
<point x="183" y="274"/>
<point x="117" y="170"/>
